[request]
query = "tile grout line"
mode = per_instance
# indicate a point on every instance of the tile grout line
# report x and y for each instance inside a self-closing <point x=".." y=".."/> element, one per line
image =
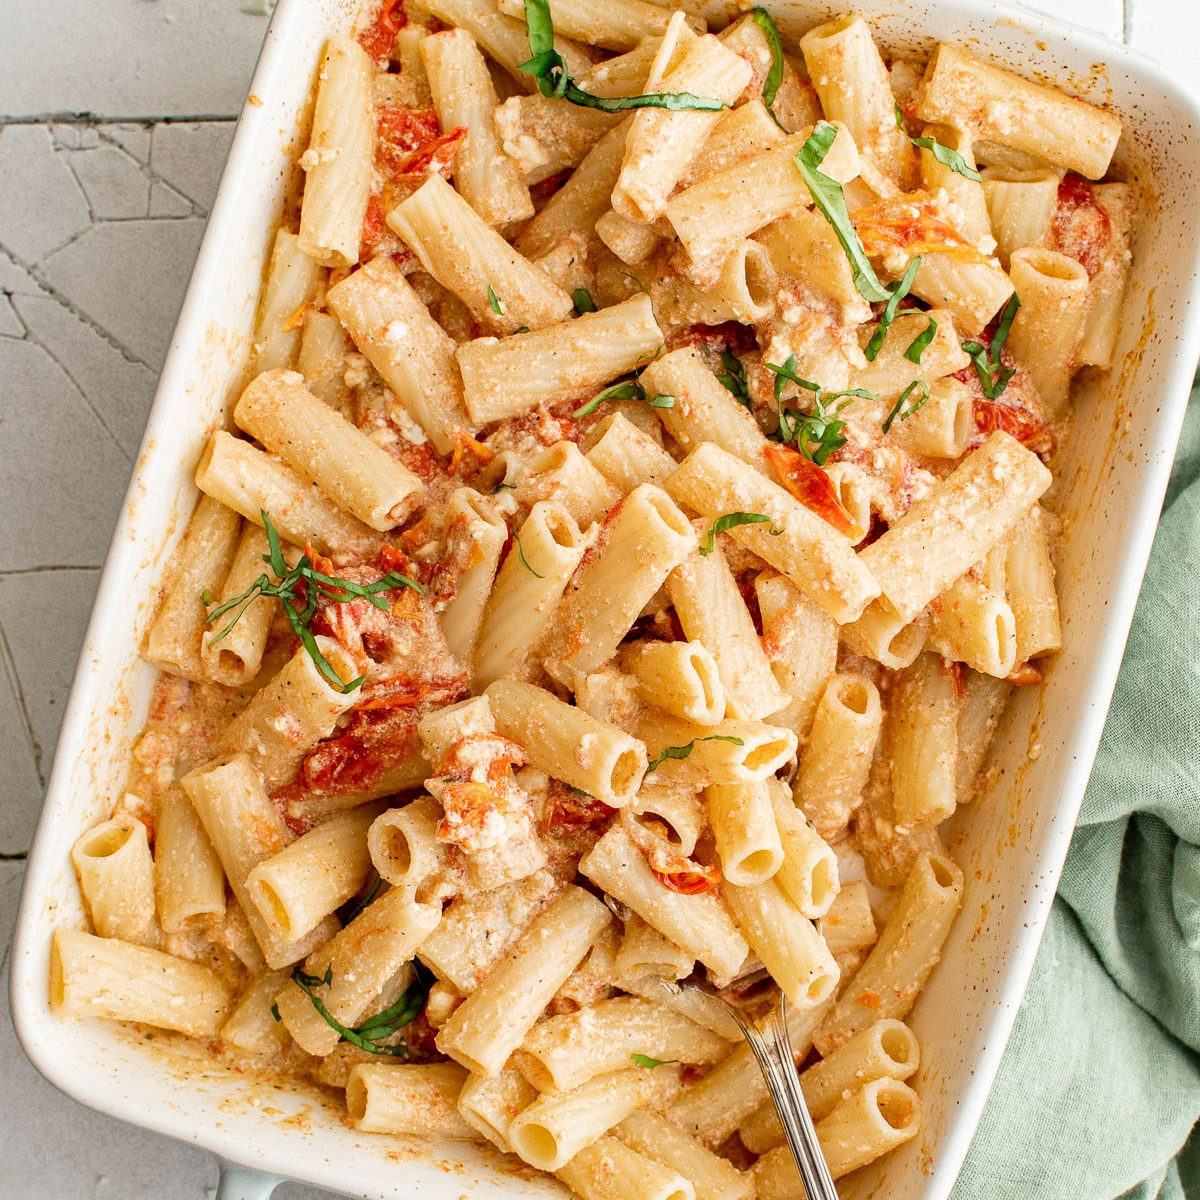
<point x="88" y="119"/>
<point x="14" y="678"/>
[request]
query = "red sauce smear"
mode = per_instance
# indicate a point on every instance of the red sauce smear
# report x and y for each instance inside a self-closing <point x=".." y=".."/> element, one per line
<point x="1082" y="229"/>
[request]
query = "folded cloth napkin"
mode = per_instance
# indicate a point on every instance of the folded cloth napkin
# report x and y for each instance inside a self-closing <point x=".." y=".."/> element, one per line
<point x="1099" y="1088"/>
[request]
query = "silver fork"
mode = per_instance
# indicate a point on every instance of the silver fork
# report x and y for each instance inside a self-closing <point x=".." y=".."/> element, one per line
<point x="772" y="1046"/>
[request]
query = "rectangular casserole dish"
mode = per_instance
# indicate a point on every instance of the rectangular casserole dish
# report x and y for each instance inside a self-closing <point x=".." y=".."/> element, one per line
<point x="1011" y="842"/>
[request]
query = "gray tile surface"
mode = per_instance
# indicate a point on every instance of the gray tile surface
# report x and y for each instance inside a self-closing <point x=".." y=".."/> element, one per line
<point x="100" y="220"/>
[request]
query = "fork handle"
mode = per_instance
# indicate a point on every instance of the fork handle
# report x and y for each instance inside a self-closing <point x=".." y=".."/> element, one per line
<point x="773" y="1049"/>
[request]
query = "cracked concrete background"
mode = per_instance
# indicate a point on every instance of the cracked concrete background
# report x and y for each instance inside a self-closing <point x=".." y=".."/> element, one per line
<point x="115" y="119"/>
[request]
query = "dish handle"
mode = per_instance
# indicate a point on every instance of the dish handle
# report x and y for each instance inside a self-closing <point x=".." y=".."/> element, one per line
<point x="244" y="1183"/>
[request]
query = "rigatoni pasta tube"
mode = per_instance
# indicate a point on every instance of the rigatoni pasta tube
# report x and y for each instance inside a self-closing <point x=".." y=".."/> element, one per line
<point x="407" y="1098"/>
<point x="787" y="942"/>
<point x="502" y="38"/>
<point x="561" y="473"/>
<point x="909" y="947"/>
<point x="610" y="1170"/>
<point x="566" y="1051"/>
<point x="291" y="713"/>
<point x="890" y="372"/>
<point x="501" y="287"/>
<point x="628" y="457"/>
<point x="713" y="1108"/>
<point x="316" y="874"/>
<point x="566" y="742"/>
<point x="983" y="701"/>
<point x="188" y="879"/>
<point x="245" y="828"/>
<point x="250" y="482"/>
<point x="810" y="552"/>
<point x="852" y="82"/>
<point x="490" y="1103"/>
<point x="493" y="1021"/>
<point x="235" y="658"/>
<point x="556" y="363"/>
<point x="477" y="931"/>
<point x="465" y="98"/>
<point x="476" y="523"/>
<point x="943" y="425"/>
<point x="1029" y="582"/>
<point x="964" y="203"/>
<point x="102" y="977"/>
<point x="731" y="752"/>
<point x="743" y="825"/>
<point x="713" y="1177"/>
<point x="661" y="142"/>
<point x="116" y="876"/>
<point x="613" y="24"/>
<point x="924" y="743"/>
<point x="642" y="540"/>
<point x="970" y="510"/>
<point x="875" y="1119"/>
<point x="542" y="135"/>
<point x="403" y="844"/>
<point x="340" y="157"/>
<point x="410" y="350"/>
<point x="554" y="1128"/>
<point x="1048" y="325"/>
<point x="327" y="450"/>
<point x="711" y="217"/>
<point x="808" y="873"/>
<point x="971" y="623"/>
<point x="801" y="641"/>
<point x="710" y="608"/>
<point x="704" y="410"/>
<point x="252" y="1026"/>
<point x="701" y="924"/>
<point x="1021" y="207"/>
<point x="646" y="953"/>
<point x="1107" y="288"/>
<point x="963" y="91"/>
<point x="849" y="924"/>
<point x="681" y="678"/>
<point x="837" y="757"/>
<point x="360" y="961"/>
<point x="883" y="634"/>
<point x="201" y="562"/>
<point x="292" y="278"/>
<point x="527" y="590"/>
<point x="885" y="1050"/>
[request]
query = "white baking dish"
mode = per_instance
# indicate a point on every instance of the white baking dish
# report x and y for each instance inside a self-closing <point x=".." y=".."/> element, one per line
<point x="1011" y="843"/>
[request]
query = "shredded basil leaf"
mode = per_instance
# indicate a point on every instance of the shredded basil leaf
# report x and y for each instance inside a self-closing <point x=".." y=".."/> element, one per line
<point x="681" y="752"/>
<point x="921" y="342"/>
<point x="636" y="280"/>
<point x="275" y="1013"/>
<point x="494" y="302"/>
<point x="787" y="373"/>
<point x="662" y="400"/>
<point x="774" y="78"/>
<point x="899" y="411"/>
<point x="727" y="522"/>
<point x="501" y="486"/>
<point x="989" y="363"/>
<point x="547" y="66"/>
<point x="629" y="390"/>
<point x="521" y="555"/>
<point x="521" y="329"/>
<point x="644" y="1060"/>
<point x="316" y="584"/>
<point x="371" y="1033"/>
<point x="830" y="200"/>
<point x="899" y="290"/>
<point x="734" y="378"/>
<point x="948" y="158"/>
<point x="583" y="301"/>
<point x="206" y="597"/>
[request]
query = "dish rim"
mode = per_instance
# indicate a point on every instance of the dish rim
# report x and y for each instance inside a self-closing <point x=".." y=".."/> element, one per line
<point x="221" y="1138"/>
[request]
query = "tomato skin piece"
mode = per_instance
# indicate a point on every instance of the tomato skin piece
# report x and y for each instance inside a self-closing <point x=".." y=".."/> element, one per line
<point x="1025" y="675"/>
<point x="689" y="883"/>
<point x="812" y="487"/>
<point x="1030" y="432"/>
<point x="378" y="37"/>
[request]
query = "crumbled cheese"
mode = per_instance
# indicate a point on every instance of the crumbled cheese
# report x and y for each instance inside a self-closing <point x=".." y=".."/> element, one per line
<point x="314" y="157"/>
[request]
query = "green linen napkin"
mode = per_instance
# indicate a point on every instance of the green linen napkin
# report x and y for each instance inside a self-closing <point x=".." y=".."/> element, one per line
<point x="1100" y="1085"/>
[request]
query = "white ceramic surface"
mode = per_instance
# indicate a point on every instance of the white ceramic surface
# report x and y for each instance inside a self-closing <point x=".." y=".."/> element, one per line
<point x="1011" y="843"/>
